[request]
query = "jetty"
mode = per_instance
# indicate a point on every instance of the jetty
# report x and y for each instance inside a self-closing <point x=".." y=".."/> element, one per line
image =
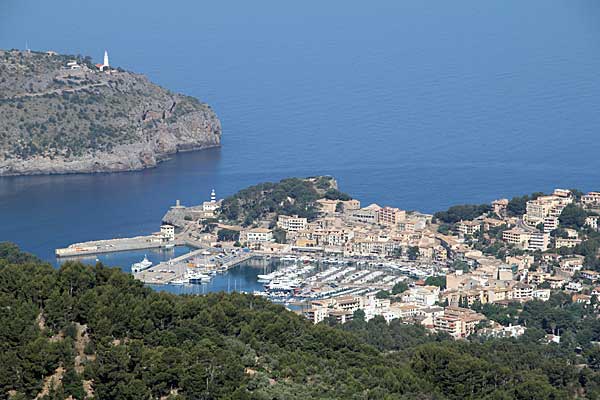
<point x="112" y="246"/>
<point x="175" y="269"/>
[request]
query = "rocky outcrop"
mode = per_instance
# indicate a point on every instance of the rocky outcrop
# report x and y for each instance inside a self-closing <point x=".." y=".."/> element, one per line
<point x="85" y="121"/>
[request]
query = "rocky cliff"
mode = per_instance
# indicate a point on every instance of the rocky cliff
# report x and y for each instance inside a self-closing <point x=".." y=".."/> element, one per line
<point x="61" y="114"/>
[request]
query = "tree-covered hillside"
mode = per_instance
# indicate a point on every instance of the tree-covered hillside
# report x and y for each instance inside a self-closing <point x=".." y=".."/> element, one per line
<point x="92" y="331"/>
<point x="292" y="196"/>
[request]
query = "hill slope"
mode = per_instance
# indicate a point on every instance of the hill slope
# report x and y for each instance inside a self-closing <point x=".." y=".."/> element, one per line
<point x="54" y="119"/>
<point x="99" y="332"/>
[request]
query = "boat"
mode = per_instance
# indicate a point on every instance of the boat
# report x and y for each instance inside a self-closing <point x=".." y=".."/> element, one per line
<point x="281" y="286"/>
<point x="197" y="277"/>
<point x="169" y="245"/>
<point x="141" y="266"/>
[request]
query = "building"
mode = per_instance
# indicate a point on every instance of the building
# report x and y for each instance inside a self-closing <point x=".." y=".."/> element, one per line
<point x="468" y="227"/>
<point x="105" y="66"/>
<point x="522" y="292"/>
<point x="424" y="296"/>
<point x="212" y="205"/>
<point x="591" y="199"/>
<point x="499" y="206"/>
<point x="547" y="206"/>
<point x="328" y="206"/>
<point x="368" y="215"/>
<point x="539" y="241"/>
<point x="566" y="242"/>
<point x="574" y="286"/>
<point x="550" y="224"/>
<point x="592" y="222"/>
<point x="350" y="205"/>
<point x="517" y="236"/>
<point x="458" y="322"/>
<point x="256" y="235"/>
<point x="291" y="223"/>
<point x="390" y="216"/>
<point x="168" y="231"/>
<point x="590" y="275"/>
<point x="541" y="294"/>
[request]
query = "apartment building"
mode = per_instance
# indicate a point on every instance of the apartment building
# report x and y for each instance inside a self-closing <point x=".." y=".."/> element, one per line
<point x="547" y="206"/>
<point x="538" y="241"/>
<point x="550" y="224"/>
<point x="291" y="223"/>
<point x="522" y="292"/>
<point x="517" y="236"/>
<point x="368" y="215"/>
<point x="458" y="322"/>
<point x="468" y="227"/>
<point x="591" y="199"/>
<point x="566" y="242"/>
<point x="390" y="216"/>
<point x="256" y="235"/>
<point x="424" y="296"/>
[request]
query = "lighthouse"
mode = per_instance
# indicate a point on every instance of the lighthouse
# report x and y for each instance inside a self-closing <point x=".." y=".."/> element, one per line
<point x="105" y="65"/>
<point x="213" y="196"/>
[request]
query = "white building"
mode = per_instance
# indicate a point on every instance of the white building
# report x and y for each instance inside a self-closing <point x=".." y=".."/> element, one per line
<point x="592" y="222"/>
<point x="291" y="223"/>
<point x="369" y="214"/>
<point x="168" y="231"/>
<point x="256" y="235"/>
<point x="539" y="241"/>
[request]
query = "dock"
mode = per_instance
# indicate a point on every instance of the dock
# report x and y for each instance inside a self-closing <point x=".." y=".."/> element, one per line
<point x="175" y="269"/>
<point x="110" y="246"/>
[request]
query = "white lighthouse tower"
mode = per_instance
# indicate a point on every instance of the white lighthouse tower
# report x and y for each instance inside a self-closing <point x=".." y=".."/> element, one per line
<point x="213" y="196"/>
<point x="106" y="64"/>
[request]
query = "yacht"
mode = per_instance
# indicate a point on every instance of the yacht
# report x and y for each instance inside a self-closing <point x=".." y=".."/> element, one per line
<point x="197" y="277"/>
<point x="282" y="285"/>
<point x="141" y="266"/>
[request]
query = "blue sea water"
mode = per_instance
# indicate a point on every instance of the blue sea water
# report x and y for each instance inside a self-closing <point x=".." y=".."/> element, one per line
<point x="411" y="103"/>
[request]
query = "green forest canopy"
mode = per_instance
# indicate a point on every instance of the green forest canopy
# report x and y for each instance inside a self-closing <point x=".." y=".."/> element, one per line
<point x="291" y="196"/>
<point x="146" y="344"/>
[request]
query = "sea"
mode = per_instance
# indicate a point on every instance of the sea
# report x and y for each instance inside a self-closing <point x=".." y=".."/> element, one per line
<point x="409" y="103"/>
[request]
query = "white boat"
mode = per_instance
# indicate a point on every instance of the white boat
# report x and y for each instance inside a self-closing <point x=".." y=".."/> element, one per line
<point x="169" y="245"/>
<point x="197" y="277"/>
<point x="282" y="285"/>
<point x="266" y="277"/>
<point x="141" y="266"/>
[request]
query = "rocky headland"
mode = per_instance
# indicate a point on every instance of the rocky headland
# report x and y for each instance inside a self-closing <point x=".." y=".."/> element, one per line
<point x="62" y="114"/>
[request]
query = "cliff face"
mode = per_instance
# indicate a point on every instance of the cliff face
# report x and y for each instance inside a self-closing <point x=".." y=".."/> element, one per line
<point x="59" y="118"/>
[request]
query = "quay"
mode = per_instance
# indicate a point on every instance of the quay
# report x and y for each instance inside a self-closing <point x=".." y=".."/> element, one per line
<point x="176" y="269"/>
<point x="112" y="246"/>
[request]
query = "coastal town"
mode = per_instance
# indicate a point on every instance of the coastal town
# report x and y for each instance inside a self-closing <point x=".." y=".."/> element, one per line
<point x="433" y="270"/>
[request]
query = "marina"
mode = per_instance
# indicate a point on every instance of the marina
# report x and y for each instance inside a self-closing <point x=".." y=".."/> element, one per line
<point x="301" y="280"/>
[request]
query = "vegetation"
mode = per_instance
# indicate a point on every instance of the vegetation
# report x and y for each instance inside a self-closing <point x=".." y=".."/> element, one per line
<point x="572" y="216"/>
<point x="518" y="205"/>
<point x="228" y="235"/>
<point x="292" y="196"/>
<point x="149" y="345"/>
<point x="462" y="213"/>
<point x="50" y="111"/>
<point x="439" y="281"/>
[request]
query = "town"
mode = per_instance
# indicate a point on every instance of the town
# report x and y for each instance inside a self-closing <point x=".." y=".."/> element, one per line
<point x="439" y="270"/>
<point x="433" y="270"/>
